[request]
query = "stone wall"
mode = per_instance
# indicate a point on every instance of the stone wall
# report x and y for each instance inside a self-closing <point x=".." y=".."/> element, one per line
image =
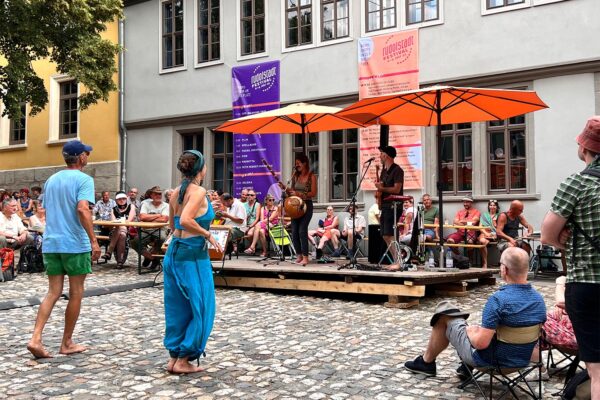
<point x="106" y="176"/>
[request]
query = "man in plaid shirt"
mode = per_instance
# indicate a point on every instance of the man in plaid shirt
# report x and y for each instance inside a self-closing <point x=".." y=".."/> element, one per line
<point x="573" y="223"/>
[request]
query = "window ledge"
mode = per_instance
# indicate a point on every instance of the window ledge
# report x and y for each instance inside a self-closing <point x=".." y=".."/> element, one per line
<point x="298" y="48"/>
<point x="381" y="31"/>
<point x="497" y="10"/>
<point x="335" y="41"/>
<point x="486" y="197"/>
<point x="418" y="25"/>
<point x="252" y="56"/>
<point x="59" y="142"/>
<point x="13" y="147"/>
<point x="209" y="64"/>
<point x="170" y="70"/>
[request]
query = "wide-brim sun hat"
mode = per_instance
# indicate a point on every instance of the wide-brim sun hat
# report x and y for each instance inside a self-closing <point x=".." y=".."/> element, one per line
<point x="447" y="308"/>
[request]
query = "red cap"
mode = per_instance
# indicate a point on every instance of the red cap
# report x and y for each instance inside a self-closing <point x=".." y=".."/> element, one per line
<point x="590" y="137"/>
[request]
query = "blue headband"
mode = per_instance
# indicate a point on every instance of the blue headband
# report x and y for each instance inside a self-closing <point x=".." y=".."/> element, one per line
<point x="198" y="165"/>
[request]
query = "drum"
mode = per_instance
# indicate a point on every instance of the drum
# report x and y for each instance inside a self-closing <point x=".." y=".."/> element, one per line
<point x="294" y="207"/>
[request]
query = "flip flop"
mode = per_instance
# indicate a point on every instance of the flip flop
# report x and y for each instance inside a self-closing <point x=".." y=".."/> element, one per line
<point x="249" y="251"/>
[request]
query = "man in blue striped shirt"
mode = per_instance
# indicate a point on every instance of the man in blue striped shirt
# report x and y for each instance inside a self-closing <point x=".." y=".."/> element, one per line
<point x="517" y="304"/>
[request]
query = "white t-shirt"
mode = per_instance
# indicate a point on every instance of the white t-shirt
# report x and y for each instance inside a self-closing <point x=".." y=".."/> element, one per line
<point x="12" y="225"/>
<point x="360" y="222"/>
<point x="238" y="210"/>
<point x="410" y="210"/>
<point x="149" y="208"/>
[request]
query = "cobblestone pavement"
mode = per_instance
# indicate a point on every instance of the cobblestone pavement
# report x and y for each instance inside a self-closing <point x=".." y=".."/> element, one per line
<point x="264" y="345"/>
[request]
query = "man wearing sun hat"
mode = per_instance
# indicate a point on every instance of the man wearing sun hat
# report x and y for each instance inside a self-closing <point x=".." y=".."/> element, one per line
<point x="573" y="224"/>
<point x="468" y="215"/>
<point x="516" y="304"/>
<point x="69" y="245"/>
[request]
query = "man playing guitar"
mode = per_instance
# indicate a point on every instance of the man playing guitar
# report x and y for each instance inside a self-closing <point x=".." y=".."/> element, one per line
<point x="391" y="182"/>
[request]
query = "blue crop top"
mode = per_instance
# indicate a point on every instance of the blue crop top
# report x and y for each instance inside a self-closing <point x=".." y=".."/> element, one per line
<point x="203" y="220"/>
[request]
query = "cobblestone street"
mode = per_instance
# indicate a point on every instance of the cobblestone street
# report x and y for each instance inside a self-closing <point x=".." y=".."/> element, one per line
<point x="264" y="346"/>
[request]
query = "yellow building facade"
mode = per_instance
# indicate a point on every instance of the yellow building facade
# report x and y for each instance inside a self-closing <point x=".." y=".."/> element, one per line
<point x="31" y="151"/>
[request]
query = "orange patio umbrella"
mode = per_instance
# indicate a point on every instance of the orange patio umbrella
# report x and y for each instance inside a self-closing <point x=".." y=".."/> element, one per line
<point x="440" y="105"/>
<point x="301" y="118"/>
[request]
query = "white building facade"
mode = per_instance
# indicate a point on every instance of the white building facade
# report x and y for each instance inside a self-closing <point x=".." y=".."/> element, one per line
<point x="179" y="55"/>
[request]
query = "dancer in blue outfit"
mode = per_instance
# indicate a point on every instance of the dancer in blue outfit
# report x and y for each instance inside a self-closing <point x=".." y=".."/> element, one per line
<point x="188" y="287"/>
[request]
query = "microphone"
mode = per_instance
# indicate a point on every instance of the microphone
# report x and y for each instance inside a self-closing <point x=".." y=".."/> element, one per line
<point x="369" y="160"/>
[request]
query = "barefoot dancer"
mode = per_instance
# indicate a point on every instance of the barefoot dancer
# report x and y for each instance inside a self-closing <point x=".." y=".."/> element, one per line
<point x="188" y="286"/>
<point x="68" y="240"/>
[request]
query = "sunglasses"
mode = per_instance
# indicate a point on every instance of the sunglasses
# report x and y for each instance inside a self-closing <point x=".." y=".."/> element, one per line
<point x="251" y="195"/>
<point x="270" y="199"/>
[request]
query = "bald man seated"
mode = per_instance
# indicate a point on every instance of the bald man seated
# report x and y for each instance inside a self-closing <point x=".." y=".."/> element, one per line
<point x="507" y="228"/>
<point x="516" y="304"/>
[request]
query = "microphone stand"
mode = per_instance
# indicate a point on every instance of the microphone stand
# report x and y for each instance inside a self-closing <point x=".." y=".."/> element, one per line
<point x="353" y="264"/>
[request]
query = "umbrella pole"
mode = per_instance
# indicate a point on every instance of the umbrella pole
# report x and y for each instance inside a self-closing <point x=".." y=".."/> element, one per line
<point x="304" y="135"/>
<point x="440" y="190"/>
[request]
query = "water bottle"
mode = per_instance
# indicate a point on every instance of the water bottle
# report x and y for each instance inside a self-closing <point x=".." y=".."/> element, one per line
<point x="449" y="259"/>
<point x="431" y="262"/>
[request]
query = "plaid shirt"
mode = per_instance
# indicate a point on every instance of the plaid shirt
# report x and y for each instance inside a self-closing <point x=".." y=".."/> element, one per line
<point x="579" y="196"/>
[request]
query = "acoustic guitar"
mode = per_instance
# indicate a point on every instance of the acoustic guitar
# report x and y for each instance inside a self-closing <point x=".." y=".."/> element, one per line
<point x="293" y="206"/>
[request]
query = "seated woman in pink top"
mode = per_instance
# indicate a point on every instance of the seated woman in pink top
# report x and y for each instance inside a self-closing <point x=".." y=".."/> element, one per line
<point x="270" y="216"/>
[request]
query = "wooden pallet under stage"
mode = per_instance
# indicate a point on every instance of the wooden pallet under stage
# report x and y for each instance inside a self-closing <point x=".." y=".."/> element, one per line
<point x="402" y="288"/>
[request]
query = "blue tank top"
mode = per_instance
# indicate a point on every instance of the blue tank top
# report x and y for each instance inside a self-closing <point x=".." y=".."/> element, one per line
<point x="203" y="220"/>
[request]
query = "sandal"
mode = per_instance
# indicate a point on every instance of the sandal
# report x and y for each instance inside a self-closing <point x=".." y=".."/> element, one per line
<point x="107" y="256"/>
<point x="250" y="251"/>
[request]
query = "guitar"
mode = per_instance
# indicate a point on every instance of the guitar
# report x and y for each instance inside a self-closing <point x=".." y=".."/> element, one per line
<point x="378" y="194"/>
<point x="294" y="206"/>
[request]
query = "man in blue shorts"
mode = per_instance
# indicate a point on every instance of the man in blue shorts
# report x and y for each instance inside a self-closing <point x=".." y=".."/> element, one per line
<point x="69" y="245"/>
<point x="516" y="304"/>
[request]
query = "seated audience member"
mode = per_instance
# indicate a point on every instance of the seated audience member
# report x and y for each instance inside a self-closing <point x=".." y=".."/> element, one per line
<point x="431" y="215"/>
<point x="152" y="209"/>
<point x="168" y="193"/>
<point x="326" y="231"/>
<point x="37" y="222"/>
<point x="507" y="227"/>
<point x="234" y="216"/>
<point x="467" y="216"/>
<point x="36" y="193"/>
<point x="244" y="196"/>
<point x="103" y="207"/>
<point x="488" y="220"/>
<point x="268" y="218"/>
<point x="253" y="213"/>
<point x="26" y="203"/>
<point x="133" y="199"/>
<point x="347" y="231"/>
<point x="373" y="214"/>
<point x="13" y="233"/>
<point x="405" y="222"/>
<point x="118" y="239"/>
<point x="517" y="304"/>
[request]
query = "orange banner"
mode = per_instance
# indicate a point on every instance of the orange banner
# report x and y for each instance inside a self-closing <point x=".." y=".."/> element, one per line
<point x="388" y="64"/>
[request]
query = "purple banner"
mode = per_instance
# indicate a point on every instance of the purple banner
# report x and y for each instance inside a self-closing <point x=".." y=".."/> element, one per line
<point x="255" y="88"/>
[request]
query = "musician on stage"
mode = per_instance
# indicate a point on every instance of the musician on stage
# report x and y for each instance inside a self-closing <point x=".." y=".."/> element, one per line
<point x="303" y="185"/>
<point x="391" y="182"/>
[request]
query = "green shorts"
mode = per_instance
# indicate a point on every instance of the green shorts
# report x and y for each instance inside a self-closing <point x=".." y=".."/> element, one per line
<point x="68" y="264"/>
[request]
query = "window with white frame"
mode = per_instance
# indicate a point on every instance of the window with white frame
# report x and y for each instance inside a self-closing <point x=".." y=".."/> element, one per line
<point x="18" y="127"/>
<point x="457" y="159"/>
<point x="419" y="11"/>
<point x="298" y="22"/>
<point x="209" y="27"/>
<point x="507" y="155"/>
<point x="343" y="156"/>
<point x="490" y="4"/>
<point x="68" y="110"/>
<point x="311" y="141"/>
<point x="172" y="39"/>
<point x="335" y="19"/>
<point x="252" y="26"/>
<point x="222" y="161"/>
<point x="193" y="141"/>
<point x="380" y="14"/>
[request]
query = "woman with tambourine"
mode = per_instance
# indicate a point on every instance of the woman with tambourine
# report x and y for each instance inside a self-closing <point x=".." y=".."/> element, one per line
<point x="304" y="186"/>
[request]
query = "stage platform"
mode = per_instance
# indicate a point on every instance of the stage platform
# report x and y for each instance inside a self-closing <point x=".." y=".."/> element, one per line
<point x="403" y="289"/>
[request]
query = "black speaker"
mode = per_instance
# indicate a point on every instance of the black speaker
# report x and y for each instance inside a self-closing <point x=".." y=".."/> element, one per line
<point x="377" y="245"/>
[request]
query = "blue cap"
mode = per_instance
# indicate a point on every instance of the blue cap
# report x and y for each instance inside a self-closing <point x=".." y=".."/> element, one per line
<point x="75" y="148"/>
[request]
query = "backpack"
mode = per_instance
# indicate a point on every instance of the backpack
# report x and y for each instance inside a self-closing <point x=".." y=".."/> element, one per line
<point x="7" y="259"/>
<point x="31" y="260"/>
<point x="579" y="387"/>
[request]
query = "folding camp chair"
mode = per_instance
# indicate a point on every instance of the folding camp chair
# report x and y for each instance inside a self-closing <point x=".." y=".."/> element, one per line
<point x="505" y="375"/>
<point x="281" y="238"/>
<point x="344" y="246"/>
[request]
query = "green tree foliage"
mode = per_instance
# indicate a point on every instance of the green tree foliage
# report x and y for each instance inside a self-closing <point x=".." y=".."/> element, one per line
<point x="67" y="32"/>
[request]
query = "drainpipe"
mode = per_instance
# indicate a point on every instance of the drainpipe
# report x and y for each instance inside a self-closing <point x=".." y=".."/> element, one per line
<point x="122" y="129"/>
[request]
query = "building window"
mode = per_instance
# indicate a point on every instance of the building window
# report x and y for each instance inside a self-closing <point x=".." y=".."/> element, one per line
<point x="223" y="162"/>
<point x="312" y="148"/>
<point x="18" y="127"/>
<point x="502" y="3"/>
<point x="381" y="14"/>
<point x="418" y="11"/>
<point x="457" y="158"/>
<point x="172" y="34"/>
<point x="193" y="141"/>
<point x="335" y="19"/>
<point x="68" y="110"/>
<point x="507" y="155"/>
<point x="209" y="25"/>
<point x="298" y="20"/>
<point x="252" y="26"/>
<point x="343" y="153"/>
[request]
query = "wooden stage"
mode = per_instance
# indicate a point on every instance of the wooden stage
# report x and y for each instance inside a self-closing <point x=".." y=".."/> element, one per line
<point x="402" y="288"/>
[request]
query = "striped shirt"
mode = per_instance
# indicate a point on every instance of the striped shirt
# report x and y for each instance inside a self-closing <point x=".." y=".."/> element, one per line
<point x="514" y="305"/>
<point x="579" y="196"/>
